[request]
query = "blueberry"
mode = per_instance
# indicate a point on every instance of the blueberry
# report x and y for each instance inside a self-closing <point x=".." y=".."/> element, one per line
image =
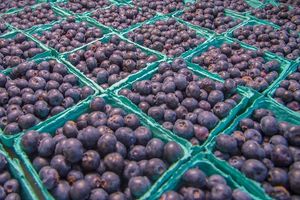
<point x="183" y="128"/>
<point x="114" y="162"/>
<point x="90" y="160"/>
<point x="73" y="176"/>
<point x="227" y="144"/>
<point x="137" y="153"/>
<point x="238" y="194"/>
<point x="132" y="169"/>
<point x="80" y="190"/>
<point x="251" y="149"/>
<point x="255" y="170"/>
<point x="73" y="150"/>
<point x="98" y="194"/>
<point x="126" y="136"/>
<point x="139" y="185"/>
<point x="110" y="182"/>
<point x="142" y="135"/>
<point x="294" y="180"/>
<point x="281" y="156"/>
<point x="61" y="191"/>
<point x="46" y="147"/>
<point x="194" y="178"/>
<point x="106" y="144"/>
<point x="171" y="195"/>
<point x="39" y="162"/>
<point x="155" y="148"/>
<point x="269" y="125"/>
<point x="172" y="152"/>
<point x="49" y="177"/>
<point x="155" y="168"/>
<point x="207" y="119"/>
<point x="221" y="191"/>
<point x="278" y="177"/>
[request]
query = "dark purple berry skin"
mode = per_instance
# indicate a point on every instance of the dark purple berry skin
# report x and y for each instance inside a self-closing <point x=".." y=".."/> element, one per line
<point x="183" y="103"/>
<point x="195" y="184"/>
<point x="288" y="92"/>
<point x="83" y="6"/>
<point x="69" y="38"/>
<point x="256" y="36"/>
<point x="186" y="38"/>
<point x="104" y="153"/>
<point x="114" y="14"/>
<point x="22" y="48"/>
<point x="35" y="91"/>
<point x="30" y="17"/>
<point x="216" y="19"/>
<point x="108" y="62"/>
<point x="239" y="66"/>
<point x="15" y="4"/>
<point x="263" y="151"/>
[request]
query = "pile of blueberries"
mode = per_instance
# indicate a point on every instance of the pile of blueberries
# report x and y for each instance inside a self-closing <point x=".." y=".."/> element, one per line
<point x="3" y="27"/>
<point x="161" y="6"/>
<point x="122" y="17"/>
<point x="291" y="2"/>
<point x="237" y="5"/>
<point x="108" y="63"/>
<point x="34" y="92"/>
<point x="210" y="15"/>
<point x="16" y="50"/>
<point x="81" y="6"/>
<point x="246" y="67"/>
<point x="6" y="5"/>
<point x="266" y="150"/>
<point x="288" y="92"/>
<point x="281" y="15"/>
<point x="29" y="17"/>
<point x="9" y="187"/>
<point x="68" y="35"/>
<point x="182" y="102"/>
<point x="104" y="154"/>
<point x="282" y="42"/>
<point x="167" y="36"/>
<point x="194" y="184"/>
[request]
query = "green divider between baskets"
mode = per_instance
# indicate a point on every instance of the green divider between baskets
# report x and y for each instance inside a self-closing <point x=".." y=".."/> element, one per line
<point x="83" y="108"/>
<point x="281" y="113"/>
<point x="14" y="167"/>
<point x="13" y="34"/>
<point x="64" y="58"/>
<point x="8" y="140"/>
<point x="162" y="18"/>
<point x="198" y="161"/>
<point x="218" y="41"/>
<point x="48" y="27"/>
<point x="58" y="12"/>
<point x="227" y="12"/>
<point x="245" y="93"/>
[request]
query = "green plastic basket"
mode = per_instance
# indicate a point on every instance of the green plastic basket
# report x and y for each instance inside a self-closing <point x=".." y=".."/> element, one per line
<point x="8" y="140"/>
<point x="48" y="27"/>
<point x="218" y="41"/>
<point x="234" y="15"/>
<point x="83" y="108"/>
<point x="13" y="34"/>
<point x="198" y="161"/>
<point x="246" y="95"/>
<point x="15" y="169"/>
<point x="163" y="18"/>
<point x="281" y="113"/>
<point x="64" y="58"/>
